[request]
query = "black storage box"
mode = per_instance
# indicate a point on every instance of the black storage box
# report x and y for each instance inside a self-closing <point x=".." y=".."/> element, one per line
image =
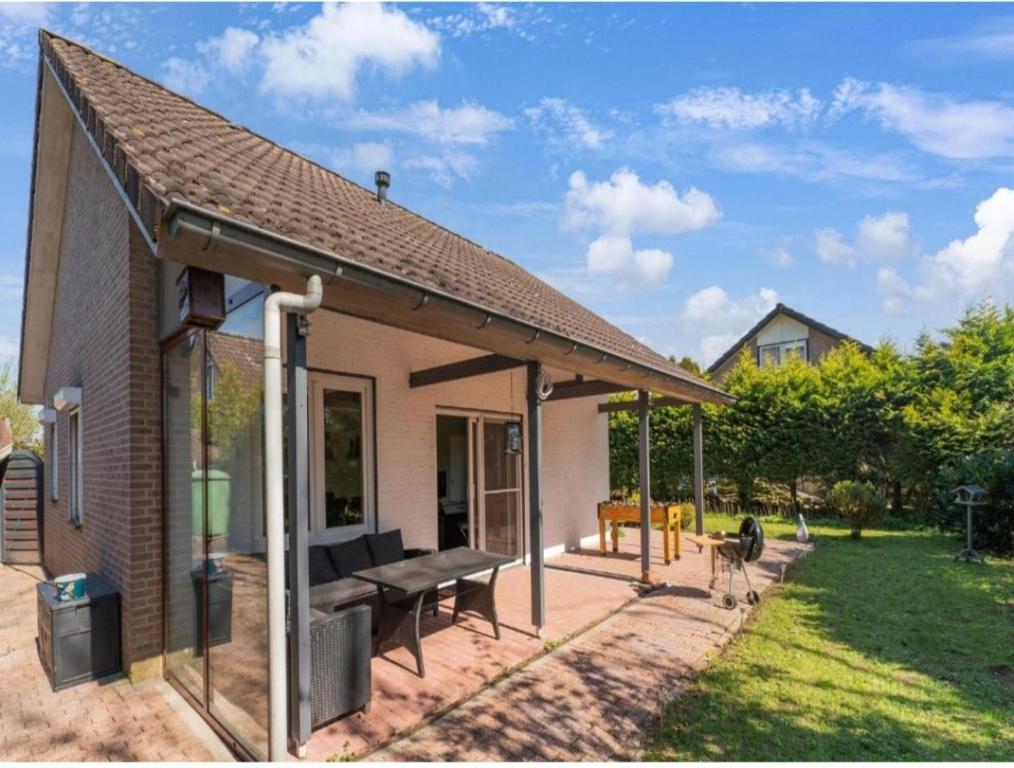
<point x="79" y="640"/>
<point x="219" y="610"/>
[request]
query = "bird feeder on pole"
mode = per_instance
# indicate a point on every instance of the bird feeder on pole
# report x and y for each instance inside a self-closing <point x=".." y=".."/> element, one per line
<point x="969" y="496"/>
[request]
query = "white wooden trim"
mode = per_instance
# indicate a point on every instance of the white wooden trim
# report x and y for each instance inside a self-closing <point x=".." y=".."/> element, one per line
<point x="318" y="383"/>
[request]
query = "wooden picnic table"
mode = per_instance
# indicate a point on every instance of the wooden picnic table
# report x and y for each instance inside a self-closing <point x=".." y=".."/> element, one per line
<point x="668" y="515"/>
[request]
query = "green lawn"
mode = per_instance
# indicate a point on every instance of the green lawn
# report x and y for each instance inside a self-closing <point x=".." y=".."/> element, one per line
<point x="882" y="649"/>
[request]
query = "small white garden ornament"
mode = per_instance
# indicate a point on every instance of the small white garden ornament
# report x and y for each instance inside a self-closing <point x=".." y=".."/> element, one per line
<point x="802" y="534"/>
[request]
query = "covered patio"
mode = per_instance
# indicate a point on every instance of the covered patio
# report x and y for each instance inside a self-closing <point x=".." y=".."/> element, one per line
<point x="582" y="589"/>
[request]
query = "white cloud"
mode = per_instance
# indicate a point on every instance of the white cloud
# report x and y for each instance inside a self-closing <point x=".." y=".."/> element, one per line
<point x="616" y="257"/>
<point x="444" y="169"/>
<point x="721" y="320"/>
<point x="31" y="14"/>
<point x="232" y="50"/>
<point x="980" y="266"/>
<point x="993" y="42"/>
<point x="935" y="123"/>
<point x="467" y="124"/>
<point x="322" y="59"/>
<point x="782" y="257"/>
<point x="832" y="249"/>
<point x="189" y="77"/>
<point x="733" y="109"/>
<point x="566" y="124"/>
<point x="482" y="18"/>
<point x="884" y="237"/>
<point x="878" y="238"/>
<point x="366" y="156"/>
<point x="623" y="205"/>
<point x="18" y="25"/>
<point x="811" y="161"/>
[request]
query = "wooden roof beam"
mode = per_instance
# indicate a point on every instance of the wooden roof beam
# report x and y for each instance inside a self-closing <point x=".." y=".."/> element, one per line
<point x="463" y="369"/>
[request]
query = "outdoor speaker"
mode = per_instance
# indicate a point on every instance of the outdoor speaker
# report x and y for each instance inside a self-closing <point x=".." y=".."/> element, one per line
<point x="200" y="295"/>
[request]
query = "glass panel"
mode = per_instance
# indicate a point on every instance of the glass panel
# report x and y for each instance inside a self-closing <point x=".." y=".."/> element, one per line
<point x="237" y="569"/>
<point x="501" y="468"/>
<point x="343" y="458"/>
<point x="795" y="350"/>
<point x="768" y="356"/>
<point x="502" y="522"/>
<point x="184" y="494"/>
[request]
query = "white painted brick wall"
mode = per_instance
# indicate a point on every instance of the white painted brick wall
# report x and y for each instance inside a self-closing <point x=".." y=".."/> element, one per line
<point x="575" y="442"/>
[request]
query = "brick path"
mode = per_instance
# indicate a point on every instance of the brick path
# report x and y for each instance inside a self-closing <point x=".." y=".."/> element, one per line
<point x="112" y="720"/>
<point x="594" y="697"/>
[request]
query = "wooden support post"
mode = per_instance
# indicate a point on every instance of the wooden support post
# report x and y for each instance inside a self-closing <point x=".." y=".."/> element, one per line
<point x="535" y="538"/>
<point x="699" y="469"/>
<point x="299" y="499"/>
<point x="643" y="412"/>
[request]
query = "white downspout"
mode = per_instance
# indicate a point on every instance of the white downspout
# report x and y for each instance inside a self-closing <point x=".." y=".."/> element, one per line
<point x="275" y="304"/>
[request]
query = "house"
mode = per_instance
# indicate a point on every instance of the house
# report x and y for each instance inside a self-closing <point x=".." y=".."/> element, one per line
<point x="168" y="247"/>
<point x="780" y="333"/>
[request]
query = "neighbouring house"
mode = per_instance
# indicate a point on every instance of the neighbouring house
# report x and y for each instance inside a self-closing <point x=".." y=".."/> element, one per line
<point x="780" y="333"/>
<point x="437" y="379"/>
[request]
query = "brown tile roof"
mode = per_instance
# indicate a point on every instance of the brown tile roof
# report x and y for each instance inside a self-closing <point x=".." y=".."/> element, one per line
<point x="165" y="147"/>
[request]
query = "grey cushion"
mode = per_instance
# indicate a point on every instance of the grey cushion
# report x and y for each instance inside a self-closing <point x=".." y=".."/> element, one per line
<point x="321" y="568"/>
<point x="385" y="547"/>
<point x="350" y="556"/>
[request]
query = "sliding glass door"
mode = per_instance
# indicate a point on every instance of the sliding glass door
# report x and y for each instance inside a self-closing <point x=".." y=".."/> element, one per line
<point x="501" y="491"/>
<point x="479" y="483"/>
<point x="184" y="513"/>
<point x="216" y="573"/>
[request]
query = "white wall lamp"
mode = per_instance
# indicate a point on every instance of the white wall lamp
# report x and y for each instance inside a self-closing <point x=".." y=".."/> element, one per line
<point x="67" y="398"/>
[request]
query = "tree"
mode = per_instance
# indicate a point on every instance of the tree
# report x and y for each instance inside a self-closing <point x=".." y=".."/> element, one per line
<point x="24" y="419"/>
<point x="859" y="503"/>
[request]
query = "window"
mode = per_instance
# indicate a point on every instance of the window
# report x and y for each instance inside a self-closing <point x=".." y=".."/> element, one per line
<point x="53" y="454"/>
<point x="75" y="474"/>
<point x="341" y="429"/>
<point x="770" y="355"/>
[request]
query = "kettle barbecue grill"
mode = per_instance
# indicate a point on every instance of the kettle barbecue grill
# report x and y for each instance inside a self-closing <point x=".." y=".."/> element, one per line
<point x="736" y="551"/>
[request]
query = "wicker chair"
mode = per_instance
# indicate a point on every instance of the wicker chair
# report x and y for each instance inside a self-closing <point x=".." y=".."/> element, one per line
<point x="340" y="650"/>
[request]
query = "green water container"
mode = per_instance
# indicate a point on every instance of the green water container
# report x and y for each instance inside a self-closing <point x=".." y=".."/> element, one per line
<point x="218" y="500"/>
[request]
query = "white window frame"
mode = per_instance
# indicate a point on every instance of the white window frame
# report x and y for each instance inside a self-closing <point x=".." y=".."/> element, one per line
<point x="54" y="462"/>
<point x="782" y="349"/>
<point x="318" y="383"/>
<point x="75" y="443"/>
<point x="48" y="417"/>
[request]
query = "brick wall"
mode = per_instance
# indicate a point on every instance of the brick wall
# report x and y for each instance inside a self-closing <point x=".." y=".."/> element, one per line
<point x="103" y="341"/>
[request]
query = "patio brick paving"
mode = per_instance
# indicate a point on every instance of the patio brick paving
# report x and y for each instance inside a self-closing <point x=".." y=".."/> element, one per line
<point x="593" y="698"/>
<point x="106" y="720"/>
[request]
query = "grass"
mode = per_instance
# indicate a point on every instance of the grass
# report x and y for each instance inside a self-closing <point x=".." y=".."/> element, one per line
<point x="881" y="649"/>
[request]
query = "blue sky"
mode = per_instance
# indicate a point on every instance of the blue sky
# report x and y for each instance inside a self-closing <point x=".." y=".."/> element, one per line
<point x="676" y="168"/>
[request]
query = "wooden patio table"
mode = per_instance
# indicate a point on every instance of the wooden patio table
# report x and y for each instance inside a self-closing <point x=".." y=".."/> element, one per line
<point x="413" y="578"/>
<point x="669" y="515"/>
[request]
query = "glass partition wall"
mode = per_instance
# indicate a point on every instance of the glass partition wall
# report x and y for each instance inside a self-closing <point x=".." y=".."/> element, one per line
<point x="216" y="571"/>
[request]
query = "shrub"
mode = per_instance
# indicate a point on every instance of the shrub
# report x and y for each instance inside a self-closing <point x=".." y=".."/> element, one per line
<point x="993" y="522"/>
<point x="860" y="504"/>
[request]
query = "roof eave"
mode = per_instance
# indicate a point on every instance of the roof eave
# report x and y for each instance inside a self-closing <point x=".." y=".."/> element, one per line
<point x="306" y="259"/>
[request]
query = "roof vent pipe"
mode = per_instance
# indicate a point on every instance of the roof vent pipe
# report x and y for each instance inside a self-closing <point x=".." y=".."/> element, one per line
<point x="383" y="181"/>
